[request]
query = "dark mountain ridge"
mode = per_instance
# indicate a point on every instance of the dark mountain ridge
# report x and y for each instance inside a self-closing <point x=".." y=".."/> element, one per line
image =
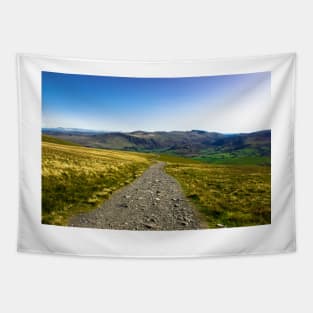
<point x="194" y="143"/>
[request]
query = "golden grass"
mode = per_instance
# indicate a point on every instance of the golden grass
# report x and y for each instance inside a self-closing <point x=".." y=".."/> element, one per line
<point x="77" y="179"/>
<point x="231" y="195"/>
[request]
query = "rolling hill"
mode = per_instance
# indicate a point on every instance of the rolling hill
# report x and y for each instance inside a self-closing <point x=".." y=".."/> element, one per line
<point x="202" y="145"/>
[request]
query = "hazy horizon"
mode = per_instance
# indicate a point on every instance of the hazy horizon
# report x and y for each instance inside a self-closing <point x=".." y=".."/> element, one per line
<point x="154" y="131"/>
<point x="224" y="104"/>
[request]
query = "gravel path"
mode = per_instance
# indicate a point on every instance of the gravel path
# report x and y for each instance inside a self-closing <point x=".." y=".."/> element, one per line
<point x="154" y="201"/>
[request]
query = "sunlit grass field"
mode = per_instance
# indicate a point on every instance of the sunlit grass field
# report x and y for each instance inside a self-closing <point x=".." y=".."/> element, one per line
<point x="227" y="195"/>
<point x="76" y="179"/>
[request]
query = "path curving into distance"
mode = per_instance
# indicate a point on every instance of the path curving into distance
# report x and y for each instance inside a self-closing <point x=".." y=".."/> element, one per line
<point x="154" y="201"/>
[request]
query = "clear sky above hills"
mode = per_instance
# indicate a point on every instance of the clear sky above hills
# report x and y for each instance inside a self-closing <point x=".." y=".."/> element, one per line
<point x="227" y="103"/>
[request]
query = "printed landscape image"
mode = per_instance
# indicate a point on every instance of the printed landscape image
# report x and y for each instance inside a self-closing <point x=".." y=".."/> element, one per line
<point x="156" y="153"/>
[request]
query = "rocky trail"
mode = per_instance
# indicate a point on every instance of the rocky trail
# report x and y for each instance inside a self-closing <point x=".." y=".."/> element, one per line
<point x="154" y="201"/>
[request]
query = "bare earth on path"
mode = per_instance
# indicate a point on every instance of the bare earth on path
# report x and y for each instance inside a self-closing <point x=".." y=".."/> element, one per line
<point x="154" y="201"/>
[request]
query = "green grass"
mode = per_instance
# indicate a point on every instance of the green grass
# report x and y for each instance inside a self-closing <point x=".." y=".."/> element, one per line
<point x="51" y="139"/>
<point x="245" y="156"/>
<point x="259" y="155"/>
<point x="231" y="195"/>
<point x="171" y="158"/>
<point x="223" y="158"/>
<point x="78" y="179"/>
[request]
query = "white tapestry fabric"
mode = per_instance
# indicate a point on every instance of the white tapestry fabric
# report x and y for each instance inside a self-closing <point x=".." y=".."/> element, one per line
<point x="180" y="158"/>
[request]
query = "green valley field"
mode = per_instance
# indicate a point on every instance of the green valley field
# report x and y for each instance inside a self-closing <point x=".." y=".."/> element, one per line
<point x="234" y="192"/>
<point x="229" y="195"/>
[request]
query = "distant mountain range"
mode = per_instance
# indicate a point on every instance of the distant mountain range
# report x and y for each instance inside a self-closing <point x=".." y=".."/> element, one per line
<point x="71" y="130"/>
<point x="194" y="143"/>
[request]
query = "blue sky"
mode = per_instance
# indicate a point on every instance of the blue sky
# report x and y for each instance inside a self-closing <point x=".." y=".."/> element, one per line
<point x="210" y="103"/>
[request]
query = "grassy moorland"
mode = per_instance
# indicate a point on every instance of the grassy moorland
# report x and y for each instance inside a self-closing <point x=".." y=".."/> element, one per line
<point x="77" y="179"/>
<point x="51" y="139"/>
<point x="244" y="156"/>
<point x="230" y="195"/>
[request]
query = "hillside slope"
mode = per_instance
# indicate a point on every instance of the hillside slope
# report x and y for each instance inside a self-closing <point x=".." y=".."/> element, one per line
<point x="195" y="143"/>
<point x="77" y="179"/>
